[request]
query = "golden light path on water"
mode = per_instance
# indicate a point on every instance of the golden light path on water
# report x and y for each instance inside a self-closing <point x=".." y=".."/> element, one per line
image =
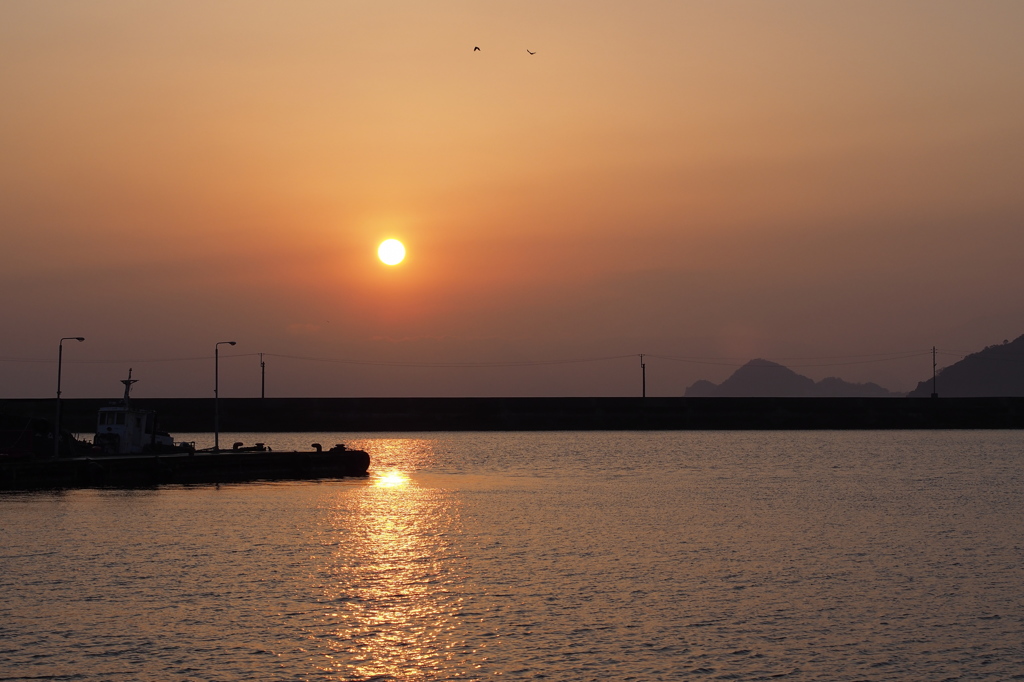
<point x="394" y="578"/>
<point x="391" y="479"/>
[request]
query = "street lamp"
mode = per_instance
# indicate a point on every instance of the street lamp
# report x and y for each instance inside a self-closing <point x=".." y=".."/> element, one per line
<point x="216" y="397"/>
<point x="56" y="420"/>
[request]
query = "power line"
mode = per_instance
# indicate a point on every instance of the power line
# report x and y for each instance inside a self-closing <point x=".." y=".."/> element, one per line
<point x="800" y="361"/>
<point x="469" y="365"/>
<point x="736" y="362"/>
<point x="127" y="360"/>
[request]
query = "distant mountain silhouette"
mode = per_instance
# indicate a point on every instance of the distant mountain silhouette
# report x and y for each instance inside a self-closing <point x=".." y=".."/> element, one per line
<point x="765" y="379"/>
<point x="996" y="371"/>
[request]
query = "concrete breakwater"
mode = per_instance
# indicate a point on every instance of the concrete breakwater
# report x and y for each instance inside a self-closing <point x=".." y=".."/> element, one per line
<point x="179" y="415"/>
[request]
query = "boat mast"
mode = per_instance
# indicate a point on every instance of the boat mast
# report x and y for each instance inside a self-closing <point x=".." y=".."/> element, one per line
<point x="128" y="386"/>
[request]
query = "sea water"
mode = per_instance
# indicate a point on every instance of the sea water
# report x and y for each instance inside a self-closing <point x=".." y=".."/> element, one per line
<point x="554" y="555"/>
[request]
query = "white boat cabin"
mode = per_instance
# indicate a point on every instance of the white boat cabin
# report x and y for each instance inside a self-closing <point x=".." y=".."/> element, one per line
<point x="124" y="430"/>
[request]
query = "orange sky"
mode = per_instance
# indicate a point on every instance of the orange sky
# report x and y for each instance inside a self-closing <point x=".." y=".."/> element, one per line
<point x="801" y="181"/>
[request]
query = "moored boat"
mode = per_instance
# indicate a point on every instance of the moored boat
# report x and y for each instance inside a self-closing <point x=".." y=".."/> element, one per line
<point x="128" y="450"/>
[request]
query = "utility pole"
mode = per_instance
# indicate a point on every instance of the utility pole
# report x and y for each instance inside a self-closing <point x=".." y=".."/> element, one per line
<point x="643" y="374"/>
<point x="935" y="393"/>
<point x="263" y="377"/>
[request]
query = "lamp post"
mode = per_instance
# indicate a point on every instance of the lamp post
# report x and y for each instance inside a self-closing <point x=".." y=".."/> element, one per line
<point x="56" y="420"/>
<point x="216" y="397"/>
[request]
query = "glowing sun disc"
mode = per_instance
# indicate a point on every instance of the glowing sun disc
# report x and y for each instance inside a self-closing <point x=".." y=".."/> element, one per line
<point x="391" y="252"/>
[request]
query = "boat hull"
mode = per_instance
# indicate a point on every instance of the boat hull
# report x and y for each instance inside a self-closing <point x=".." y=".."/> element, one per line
<point x="200" y="467"/>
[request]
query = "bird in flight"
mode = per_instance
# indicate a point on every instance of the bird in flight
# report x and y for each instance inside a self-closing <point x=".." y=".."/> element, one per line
<point x="528" y="50"/>
<point x="476" y="49"/>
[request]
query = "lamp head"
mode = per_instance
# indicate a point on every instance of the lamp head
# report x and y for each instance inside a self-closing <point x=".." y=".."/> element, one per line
<point x="79" y="338"/>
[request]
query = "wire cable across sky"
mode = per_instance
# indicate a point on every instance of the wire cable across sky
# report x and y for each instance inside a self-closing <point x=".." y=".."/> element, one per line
<point x="804" y="361"/>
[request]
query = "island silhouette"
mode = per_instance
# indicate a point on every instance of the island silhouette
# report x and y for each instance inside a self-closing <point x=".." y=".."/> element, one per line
<point x="765" y="379"/>
<point x="994" y="372"/>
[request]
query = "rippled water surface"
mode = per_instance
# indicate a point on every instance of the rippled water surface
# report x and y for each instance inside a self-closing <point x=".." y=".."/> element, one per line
<point x="560" y="556"/>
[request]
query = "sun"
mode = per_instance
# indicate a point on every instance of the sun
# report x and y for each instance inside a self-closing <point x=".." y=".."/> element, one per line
<point x="391" y="252"/>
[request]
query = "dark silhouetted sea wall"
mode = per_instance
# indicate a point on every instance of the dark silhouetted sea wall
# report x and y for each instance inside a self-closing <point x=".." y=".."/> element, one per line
<point x="529" y="414"/>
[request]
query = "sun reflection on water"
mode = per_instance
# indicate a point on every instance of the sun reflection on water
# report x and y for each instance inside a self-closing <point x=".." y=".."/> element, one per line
<point x="393" y="584"/>
<point x="390" y="479"/>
